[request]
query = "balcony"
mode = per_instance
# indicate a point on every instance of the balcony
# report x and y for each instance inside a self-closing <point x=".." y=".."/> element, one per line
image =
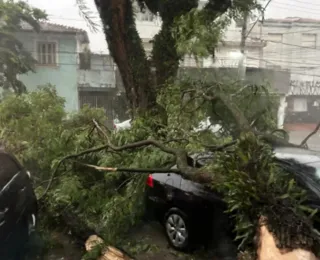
<point x="98" y="80"/>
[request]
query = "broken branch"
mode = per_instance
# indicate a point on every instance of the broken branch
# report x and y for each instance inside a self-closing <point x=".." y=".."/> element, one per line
<point x="180" y="154"/>
<point x="305" y="140"/>
<point x="72" y="156"/>
<point x="215" y="148"/>
<point x="132" y="170"/>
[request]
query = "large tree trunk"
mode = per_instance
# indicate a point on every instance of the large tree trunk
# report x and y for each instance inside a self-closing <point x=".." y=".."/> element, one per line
<point x="127" y="50"/>
<point x="165" y="57"/>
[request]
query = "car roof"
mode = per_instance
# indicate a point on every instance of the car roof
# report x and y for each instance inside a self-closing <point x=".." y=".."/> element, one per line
<point x="299" y="154"/>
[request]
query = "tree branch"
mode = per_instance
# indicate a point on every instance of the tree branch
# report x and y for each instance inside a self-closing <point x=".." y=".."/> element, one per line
<point x="72" y="156"/>
<point x="180" y="155"/>
<point x="132" y="170"/>
<point x="215" y="148"/>
<point x="305" y="140"/>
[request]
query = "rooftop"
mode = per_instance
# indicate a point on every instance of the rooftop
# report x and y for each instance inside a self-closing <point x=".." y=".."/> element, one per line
<point x="292" y="20"/>
<point x="53" y="27"/>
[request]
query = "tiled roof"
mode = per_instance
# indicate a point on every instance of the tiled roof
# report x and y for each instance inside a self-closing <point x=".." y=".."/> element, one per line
<point x="52" y="27"/>
<point x="293" y="20"/>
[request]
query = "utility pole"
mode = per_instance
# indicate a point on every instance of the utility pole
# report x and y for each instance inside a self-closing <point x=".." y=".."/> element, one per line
<point x="241" y="67"/>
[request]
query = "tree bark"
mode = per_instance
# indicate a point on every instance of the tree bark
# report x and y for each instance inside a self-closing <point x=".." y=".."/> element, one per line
<point x="164" y="53"/>
<point x="127" y="50"/>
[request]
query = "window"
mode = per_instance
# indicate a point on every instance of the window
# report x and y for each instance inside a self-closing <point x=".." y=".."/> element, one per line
<point x="47" y="53"/>
<point x="309" y="40"/>
<point x="300" y="105"/>
<point x="84" y="61"/>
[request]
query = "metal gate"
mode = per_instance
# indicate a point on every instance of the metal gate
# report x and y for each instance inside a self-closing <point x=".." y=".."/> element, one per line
<point x="98" y="99"/>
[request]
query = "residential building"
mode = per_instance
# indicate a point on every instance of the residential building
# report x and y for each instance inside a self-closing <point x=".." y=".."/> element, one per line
<point x="97" y="83"/>
<point x="55" y="48"/>
<point x="64" y="60"/>
<point x="293" y="44"/>
<point x="280" y="80"/>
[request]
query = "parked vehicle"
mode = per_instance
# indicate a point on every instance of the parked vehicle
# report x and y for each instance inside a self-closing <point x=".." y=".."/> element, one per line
<point x="191" y="214"/>
<point x="18" y="208"/>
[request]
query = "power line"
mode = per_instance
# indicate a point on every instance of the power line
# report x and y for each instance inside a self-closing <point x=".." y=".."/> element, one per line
<point x="68" y="19"/>
<point x="72" y="52"/>
<point x="308" y="3"/>
<point x="269" y="1"/>
<point x="287" y="7"/>
<point x="286" y="70"/>
<point x="230" y="59"/>
<point x="282" y="61"/>
<point x="303" y="7"/>
<point x="291" y="32"/>
<point x="289" y="44"/>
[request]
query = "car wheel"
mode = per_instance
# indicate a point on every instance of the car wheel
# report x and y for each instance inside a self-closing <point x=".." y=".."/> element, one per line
<point x="177" y="229"/>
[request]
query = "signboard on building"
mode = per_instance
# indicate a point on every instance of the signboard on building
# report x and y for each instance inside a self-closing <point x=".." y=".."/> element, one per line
<point x="304" y="88"/>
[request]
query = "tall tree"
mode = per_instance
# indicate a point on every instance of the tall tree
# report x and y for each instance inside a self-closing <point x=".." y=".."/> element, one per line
<point x="127" y="49"/>
<point x="14" y="59"/>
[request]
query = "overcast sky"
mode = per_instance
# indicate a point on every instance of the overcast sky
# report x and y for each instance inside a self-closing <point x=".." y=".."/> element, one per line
<point x="66" y="12"/>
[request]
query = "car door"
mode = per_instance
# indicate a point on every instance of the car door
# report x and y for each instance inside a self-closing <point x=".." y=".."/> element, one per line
<point x="172" y="185"/>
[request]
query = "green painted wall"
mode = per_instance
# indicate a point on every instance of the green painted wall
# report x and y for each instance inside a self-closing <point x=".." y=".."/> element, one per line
<point x="64" y="75"/>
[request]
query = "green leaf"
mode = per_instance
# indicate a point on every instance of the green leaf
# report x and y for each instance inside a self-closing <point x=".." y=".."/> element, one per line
<point x="291" y="185"/>
<point x="284" y="196"/>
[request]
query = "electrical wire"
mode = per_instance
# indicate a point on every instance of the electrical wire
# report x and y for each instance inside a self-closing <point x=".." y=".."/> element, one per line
<point x="288" y="8"/>
<point x="293" y="5"/>
<point x="265" y="7"/>
<point x="303" y="2"/>
<point x="266" y="34"/>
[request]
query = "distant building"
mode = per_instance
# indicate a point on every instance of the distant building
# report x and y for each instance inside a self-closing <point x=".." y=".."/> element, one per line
<point x="293" y="44"/>
<point x="64" y="60"/>
<point x="56" y="49"/>
<point x="97" y="83"/>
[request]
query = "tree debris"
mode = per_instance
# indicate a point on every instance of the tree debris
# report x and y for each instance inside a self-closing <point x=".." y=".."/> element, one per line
<point x="108" y="252"/>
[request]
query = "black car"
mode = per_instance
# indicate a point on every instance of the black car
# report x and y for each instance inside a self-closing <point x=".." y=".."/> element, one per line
<point x="191" y="214"/>
<point x="18" y="208"/>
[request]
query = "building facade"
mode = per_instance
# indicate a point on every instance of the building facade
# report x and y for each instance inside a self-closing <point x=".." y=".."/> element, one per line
<point x="64" y="60"/>
<point x="97" y="84"/>
<point x="56" y="50"/>
<point x="293" y="44"/>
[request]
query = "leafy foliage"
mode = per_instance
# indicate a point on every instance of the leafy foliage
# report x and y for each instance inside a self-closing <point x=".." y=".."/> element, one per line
<point x="14" y="59"/>
<point x="196" y="35"/>
<point x="199" y="31"/>
<point x="259" y="191"/>
<point x="35" y="127"/>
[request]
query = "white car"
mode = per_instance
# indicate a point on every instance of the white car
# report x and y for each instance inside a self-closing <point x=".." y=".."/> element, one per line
<point x="203" y="125"/>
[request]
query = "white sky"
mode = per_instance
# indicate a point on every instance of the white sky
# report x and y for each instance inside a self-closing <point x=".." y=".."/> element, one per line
<point x="66" y="12"/>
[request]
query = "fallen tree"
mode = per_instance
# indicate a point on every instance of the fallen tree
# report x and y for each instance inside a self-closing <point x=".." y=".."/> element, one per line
<point x="249" y="170"/>
<point x="80" y="199"/>
<point x="73" y="151"/>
